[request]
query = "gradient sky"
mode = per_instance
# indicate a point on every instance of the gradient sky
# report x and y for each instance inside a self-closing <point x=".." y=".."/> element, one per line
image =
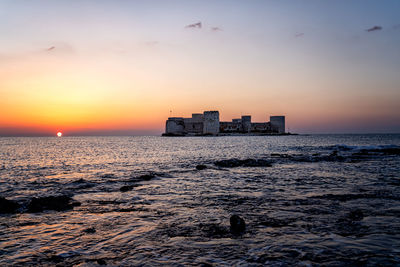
<point x="121" y="67"/>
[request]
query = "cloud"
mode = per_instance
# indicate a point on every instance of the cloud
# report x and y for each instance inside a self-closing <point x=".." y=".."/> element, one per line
<point x="194" y="25"/>
<point x="58" y="47"/>
<point x="298" y="35"/>
<point x="216" y="29"/>
<point x="375" y="28"/>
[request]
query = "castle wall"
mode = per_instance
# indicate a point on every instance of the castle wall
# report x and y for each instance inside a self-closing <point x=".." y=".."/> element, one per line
<point x="228" y="127"/>
<point x="211" y="122"/>
<point x="278" y="123"/>
<point x="193" y="126"/>
<point x="261" y="127"/>
<point x="175" y="125"/>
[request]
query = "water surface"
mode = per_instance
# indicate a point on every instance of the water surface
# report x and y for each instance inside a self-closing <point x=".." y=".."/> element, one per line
<point x="326" y="200"/>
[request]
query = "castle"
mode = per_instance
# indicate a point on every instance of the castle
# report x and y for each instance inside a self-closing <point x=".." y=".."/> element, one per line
<point x="208" y="124"/>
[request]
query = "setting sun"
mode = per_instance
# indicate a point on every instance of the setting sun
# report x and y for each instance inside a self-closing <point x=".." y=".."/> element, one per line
<point x="59" y="134"/>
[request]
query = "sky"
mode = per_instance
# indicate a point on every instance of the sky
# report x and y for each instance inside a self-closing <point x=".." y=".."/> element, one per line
<point x="123" y="67"/>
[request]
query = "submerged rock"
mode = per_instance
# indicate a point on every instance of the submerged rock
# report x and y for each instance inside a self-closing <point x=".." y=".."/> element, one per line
<point x="201" y="167"/>
<point x="145" y="177"/>
<point x="126" y="188"/>
<point x="79" y="181"/>
<point x="101" y="262"/>
<point x="355" y="215"/>
<point x="231" y="163"/>
<point x="391" y="151"/>
<point x="58" y="203"/>
<point x="90" y="230"/>
<point x="8" y="206"/>
<point x="55" y="258"/>
<point x="238" y="225"/>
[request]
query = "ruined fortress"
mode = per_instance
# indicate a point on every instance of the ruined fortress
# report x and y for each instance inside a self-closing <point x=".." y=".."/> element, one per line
<point x="208" y="124"/>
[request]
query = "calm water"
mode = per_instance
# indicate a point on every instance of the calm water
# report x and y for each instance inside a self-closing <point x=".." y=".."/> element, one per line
<point x="326" y="200"/>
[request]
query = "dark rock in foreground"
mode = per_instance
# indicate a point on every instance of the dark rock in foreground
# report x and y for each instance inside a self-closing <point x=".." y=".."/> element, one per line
<point x="145" y="177"/>
<point x="238" y="225"/>
<point x="90" y="230"/>
<point x="58" y="203"/>
<point x="231" y="163"/>
<point x="201" y="167"/>
<point x="126" y="188"/>
<point x="8" y="206"/>
<point x="101" y="262"/>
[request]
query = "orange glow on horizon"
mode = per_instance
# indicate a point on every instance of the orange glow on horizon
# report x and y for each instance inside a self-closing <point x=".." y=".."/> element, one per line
<point x="89" y="90"/>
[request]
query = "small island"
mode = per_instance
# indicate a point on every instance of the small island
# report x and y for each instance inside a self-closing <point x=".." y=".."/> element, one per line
<point x="208" y="123"/>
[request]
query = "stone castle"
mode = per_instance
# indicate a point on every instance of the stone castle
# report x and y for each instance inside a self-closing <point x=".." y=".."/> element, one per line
<point x="208" y="124"/>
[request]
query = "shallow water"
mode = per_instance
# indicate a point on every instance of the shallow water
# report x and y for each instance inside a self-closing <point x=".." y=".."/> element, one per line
<point x="325" y="200"/>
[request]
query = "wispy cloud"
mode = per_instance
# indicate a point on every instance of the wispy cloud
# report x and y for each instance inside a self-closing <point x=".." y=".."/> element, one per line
<point x="375" y="28"/>
<point x="197" y="25"/>
<point x="216" y="29"/>
<point x="298" y="35"/>
<point x="50" y="48"/>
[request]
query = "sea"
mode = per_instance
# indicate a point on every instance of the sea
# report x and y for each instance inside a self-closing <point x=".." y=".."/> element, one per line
<point x="306" y="200"/>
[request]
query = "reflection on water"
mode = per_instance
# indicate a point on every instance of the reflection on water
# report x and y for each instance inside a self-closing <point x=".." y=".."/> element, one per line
<point x="320" y="200"/>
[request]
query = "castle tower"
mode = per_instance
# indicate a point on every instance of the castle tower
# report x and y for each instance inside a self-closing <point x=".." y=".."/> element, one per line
<point x="278" y="122"/>
<point x="211" y="122"/>
<point x="246" y="124"/>
<point x="174" y="126"/>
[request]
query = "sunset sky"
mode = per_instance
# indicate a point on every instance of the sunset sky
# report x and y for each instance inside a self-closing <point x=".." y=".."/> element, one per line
<point x="121" y="67"/>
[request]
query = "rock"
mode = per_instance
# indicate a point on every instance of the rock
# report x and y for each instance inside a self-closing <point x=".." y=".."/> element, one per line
<point x="79" y="181"/>
<point x="58" y="203"/>
<point x="126" y="188"/>
<point x="8" y="206"/>
<point x="391" y="151"/>
<point x="101" y="262"/>
<point x="146" y="177"/>
<point x="55" y="258"/>
<point x="90" y="230"/>
<point x="201" y="167"/>
<point x="231" y="163"/>
<point x="238" y="225"/>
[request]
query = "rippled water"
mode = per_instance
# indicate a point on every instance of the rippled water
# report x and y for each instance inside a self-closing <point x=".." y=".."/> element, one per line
<point x="324" y="200"/>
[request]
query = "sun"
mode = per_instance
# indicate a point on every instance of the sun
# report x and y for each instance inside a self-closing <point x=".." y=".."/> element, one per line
<point x="59" y="134"/>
